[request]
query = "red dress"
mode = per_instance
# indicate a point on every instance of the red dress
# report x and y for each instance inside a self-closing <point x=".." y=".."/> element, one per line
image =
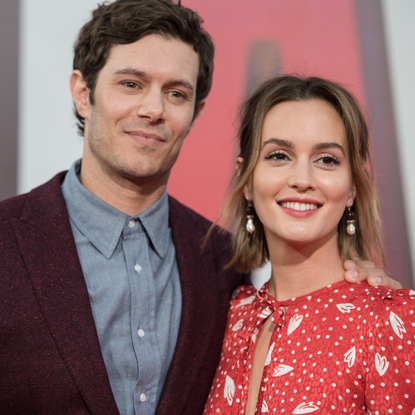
<point x="344" y="349"/>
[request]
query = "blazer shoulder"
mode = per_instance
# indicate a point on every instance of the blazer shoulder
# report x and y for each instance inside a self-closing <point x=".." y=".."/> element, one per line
<point x="12" y="208"/>
<point x="181" y="215"/>
<point x="194" y="228"/>
<point x="43" y="195"/>
<point x="183" y="212"/>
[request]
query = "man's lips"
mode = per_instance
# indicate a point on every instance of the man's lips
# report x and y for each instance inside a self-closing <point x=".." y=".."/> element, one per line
<point x="145" y="138"/>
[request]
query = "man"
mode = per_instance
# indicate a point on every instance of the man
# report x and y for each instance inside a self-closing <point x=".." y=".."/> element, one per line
<point x="109" y="303"/>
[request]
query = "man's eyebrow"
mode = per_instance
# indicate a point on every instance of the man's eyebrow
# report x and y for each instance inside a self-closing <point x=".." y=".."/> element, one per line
<point x="181" y="82"/>
<point x="134" y="72"/>
<point x="145" y="75"/>
<point x="278" y="141"/>
<point x="323" y="146"/>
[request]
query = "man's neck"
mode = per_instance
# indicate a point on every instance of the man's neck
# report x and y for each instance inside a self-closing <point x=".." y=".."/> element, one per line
<point x="128" y="196"/>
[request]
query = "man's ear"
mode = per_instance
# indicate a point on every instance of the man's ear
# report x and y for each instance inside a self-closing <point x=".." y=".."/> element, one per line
<point x="200" y="109"/>
<point x="80" y="94"/>
<point x="248" y="186"/>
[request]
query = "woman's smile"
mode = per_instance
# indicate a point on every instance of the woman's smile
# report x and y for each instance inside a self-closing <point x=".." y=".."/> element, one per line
<point x="299" y="209"/>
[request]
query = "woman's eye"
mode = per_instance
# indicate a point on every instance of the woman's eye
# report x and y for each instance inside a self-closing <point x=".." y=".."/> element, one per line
<point x="329" y="160"/>
<point x="276" y="156"/>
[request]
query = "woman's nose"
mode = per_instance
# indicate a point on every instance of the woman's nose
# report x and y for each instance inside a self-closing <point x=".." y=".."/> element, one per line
<point x="302" y="177"/>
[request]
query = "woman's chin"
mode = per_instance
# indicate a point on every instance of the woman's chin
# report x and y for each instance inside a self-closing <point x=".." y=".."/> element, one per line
<point x="301" y="240"/>
<point x="297" y="242"/>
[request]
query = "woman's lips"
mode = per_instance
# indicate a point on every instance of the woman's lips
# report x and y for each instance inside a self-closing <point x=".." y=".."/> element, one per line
<point x="299" y="205"/>
<point x="299" y="209"/>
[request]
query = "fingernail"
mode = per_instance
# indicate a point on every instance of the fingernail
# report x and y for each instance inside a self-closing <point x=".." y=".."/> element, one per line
<point x="352" y="274"/>
<point x="378" y="280"/>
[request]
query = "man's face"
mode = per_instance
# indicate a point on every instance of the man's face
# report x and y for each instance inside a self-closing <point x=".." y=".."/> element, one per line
<point x="143" y="109"/>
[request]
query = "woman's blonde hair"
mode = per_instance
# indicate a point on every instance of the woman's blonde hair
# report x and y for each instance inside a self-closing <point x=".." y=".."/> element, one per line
<point x="251" y="251"/>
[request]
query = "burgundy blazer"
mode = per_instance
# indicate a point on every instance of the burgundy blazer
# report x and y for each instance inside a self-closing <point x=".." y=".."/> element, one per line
<point x="50" y="357"/>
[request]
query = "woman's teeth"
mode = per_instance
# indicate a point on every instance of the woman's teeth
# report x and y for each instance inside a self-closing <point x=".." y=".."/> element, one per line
<point x="299" y="206"/>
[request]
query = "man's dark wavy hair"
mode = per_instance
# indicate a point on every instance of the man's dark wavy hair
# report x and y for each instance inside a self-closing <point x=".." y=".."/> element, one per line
<point x="125" y="21"/>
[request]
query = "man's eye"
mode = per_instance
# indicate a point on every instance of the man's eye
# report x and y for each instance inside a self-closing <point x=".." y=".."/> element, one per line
<point x="176" y="94"/>
<point x="130" y="84"/>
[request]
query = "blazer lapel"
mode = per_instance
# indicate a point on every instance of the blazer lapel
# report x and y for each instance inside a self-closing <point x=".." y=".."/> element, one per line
<point x="198" y="285"/>
<point x="47" y="246"/>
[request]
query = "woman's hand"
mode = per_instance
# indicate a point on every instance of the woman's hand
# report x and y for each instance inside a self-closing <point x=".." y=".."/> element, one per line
<point x="366" y="270"/>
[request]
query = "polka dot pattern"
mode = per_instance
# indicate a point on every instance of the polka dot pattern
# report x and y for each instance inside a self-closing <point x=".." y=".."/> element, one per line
<point x="342" y="349"/>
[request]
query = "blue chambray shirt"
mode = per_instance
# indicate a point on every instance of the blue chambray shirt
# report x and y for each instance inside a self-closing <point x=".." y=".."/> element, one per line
<point x="130" y="269"/>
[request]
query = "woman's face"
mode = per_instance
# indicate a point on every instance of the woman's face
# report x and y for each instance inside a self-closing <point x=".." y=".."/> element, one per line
<point x="302" y="182"/>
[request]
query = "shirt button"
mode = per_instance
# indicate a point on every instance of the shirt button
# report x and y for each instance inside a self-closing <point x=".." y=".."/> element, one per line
<point x="143" y="397"/>
<point x="137" y="267"/>
<point x="141" y="333"/>
<point x="131" y="223"/>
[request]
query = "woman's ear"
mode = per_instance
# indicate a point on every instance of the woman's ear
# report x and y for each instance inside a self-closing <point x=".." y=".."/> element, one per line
<point x="352" y="196"/>
<point x="247" y="191"/>
<point x="239" y="161"/>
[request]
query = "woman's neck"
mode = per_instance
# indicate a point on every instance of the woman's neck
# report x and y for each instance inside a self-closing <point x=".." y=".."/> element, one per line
<point x="300" y="270"/>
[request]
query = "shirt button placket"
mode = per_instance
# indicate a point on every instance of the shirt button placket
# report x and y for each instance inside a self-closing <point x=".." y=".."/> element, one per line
<point x="137" y="267"/>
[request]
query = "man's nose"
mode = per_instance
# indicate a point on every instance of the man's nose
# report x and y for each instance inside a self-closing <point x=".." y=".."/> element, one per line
<point x="151" y="106"/>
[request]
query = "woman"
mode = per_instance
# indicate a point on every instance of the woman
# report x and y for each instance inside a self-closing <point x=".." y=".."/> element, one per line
<point x="303" y="198"/>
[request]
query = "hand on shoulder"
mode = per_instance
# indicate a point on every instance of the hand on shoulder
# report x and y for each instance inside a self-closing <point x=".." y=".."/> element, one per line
<point x="367" y="271"/>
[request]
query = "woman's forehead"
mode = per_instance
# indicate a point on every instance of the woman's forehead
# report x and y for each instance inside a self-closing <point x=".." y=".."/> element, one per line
<point x="306" y="120"/>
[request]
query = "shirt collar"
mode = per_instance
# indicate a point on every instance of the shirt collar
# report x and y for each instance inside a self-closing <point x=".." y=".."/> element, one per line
<point x="155" y="221"/>
<point x="103" y="225"/>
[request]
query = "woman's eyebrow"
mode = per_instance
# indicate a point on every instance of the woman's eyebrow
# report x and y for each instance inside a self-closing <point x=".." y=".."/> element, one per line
<point x="289" y="144"/>
<point x="278" y="141"/>
<point x="323" y="146"/>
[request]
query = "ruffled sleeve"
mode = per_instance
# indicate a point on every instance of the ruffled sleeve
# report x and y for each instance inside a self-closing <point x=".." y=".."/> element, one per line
<point x="241" y="294"/>
<point x="390" y="352"/>
<point x="241" y="299"/>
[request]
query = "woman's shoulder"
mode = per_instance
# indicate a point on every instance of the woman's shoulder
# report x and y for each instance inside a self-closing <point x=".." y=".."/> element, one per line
<point x="383" y="297"/>
<point x="381" y="306"/>
<point x="398" y="298"/>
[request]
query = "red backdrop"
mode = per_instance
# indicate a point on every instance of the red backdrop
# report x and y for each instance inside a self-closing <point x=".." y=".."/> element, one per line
<point x="316" y="37"/>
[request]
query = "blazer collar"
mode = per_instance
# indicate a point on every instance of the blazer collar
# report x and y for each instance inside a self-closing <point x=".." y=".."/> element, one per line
<point x="46" y="242"/>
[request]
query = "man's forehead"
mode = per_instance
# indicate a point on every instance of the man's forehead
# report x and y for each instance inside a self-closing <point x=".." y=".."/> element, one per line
<point x="154" y="55"/>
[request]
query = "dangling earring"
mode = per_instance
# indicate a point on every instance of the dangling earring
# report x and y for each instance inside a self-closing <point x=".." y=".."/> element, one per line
<point x="250" y="227"/>
<point x="351" y="229"/>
